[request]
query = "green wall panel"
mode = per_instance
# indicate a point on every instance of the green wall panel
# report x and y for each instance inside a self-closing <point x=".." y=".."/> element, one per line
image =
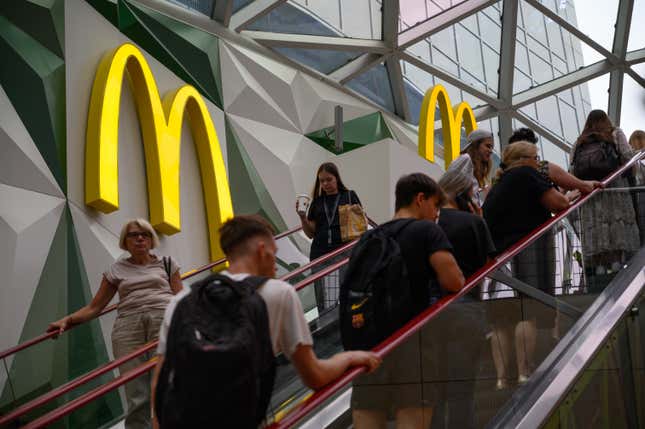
<point x="356" y="133"/>
<point x="86" y="347"/>
<point x="63" y="288"/>
<point x="34" y="79"/>
<point x="41" y="19"/>
<point x="250" y="195"/>
<point x="191" y="54"/>
<point x="196" y="51"/>
<point x="107" y="8"/>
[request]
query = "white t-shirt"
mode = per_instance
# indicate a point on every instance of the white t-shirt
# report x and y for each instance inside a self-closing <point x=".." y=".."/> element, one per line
<point x="287" y="324"/>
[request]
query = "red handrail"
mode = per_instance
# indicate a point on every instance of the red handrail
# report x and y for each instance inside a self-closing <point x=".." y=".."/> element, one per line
<point x="54" y="393"/>
<point x="92" y="395"/>
<point x="109" y="308"/>
<point x="73" y="384"/>
<point x="385" y="347"/>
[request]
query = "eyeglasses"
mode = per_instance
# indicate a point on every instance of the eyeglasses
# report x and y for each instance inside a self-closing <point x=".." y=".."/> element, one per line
<point x="135" y="234"/>
<point x="536" y="157"/>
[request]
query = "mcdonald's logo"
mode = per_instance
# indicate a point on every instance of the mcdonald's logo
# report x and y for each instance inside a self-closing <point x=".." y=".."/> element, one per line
<point x="161" y="123"/>
<point x="451" y="121"/>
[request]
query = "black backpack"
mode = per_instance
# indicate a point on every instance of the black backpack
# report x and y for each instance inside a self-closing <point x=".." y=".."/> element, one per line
<point x="375" y="296"/>
<point x="595" y="160"/>
<point x="219" y="366"/>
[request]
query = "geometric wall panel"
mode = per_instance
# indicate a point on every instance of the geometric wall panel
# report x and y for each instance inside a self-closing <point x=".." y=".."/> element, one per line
<point x="28" y="221"/>
<point x="190" y="53"/>
<point x="271" y="167"/>
<point x="44" y="21"/>
<point x="250" y="195"/>
<point x="274" y="75"/>
<point x="62" y="288"/>
<point x="405" y="134"/>
<point x="282" y="143"/>
<point x="245" y="96"/>
<point x="99" y="247"/>
<point x="356" y="133"/>
<point x="107" y="8"/>
<point x="34" y="80"/>
<point x="21" y="164"/>
<point x="322" y="113"/>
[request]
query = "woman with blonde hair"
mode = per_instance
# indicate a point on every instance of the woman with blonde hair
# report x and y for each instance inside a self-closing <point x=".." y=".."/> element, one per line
<point x="521" y="200"/>
<point x="478" y="152"/>
<point x="145" y="283"/>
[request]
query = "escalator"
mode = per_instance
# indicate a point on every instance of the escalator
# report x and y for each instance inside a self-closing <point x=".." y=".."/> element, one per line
<point x="488" y="362"/>
<point x="462" y="358"/>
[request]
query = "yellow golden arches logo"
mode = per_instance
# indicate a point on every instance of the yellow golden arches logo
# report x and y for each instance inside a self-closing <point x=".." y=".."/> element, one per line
<point x="451" y="121"/>
<point x="161" y="123"/>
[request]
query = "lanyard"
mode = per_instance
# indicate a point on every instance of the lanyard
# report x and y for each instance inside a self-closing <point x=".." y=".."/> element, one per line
<point x="333" y="215"/>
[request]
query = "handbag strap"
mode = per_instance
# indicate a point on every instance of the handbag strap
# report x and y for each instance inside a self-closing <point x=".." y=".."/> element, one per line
<point x="167" y="266"/>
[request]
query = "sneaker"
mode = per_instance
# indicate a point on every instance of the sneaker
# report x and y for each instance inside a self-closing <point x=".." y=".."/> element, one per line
<point x="501" y="384"/>
<point x="522" y="379"/>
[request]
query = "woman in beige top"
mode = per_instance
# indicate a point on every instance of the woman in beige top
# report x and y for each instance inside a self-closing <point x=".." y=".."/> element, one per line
<point x="145" y="289"/>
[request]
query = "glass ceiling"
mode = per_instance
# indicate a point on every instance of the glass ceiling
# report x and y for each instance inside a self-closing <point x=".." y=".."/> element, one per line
<point x="544" y="64"/>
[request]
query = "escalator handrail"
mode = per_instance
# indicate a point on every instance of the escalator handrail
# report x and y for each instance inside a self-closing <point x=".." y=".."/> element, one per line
<point x="101" y="390"/>
<point x="47" y="335"/>
<point x="72" y="384"/>
<point x="402" y="334"/>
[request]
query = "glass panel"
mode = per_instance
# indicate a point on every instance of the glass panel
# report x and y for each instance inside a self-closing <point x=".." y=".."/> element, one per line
<point x="565" y="113"/>
<point x="599" y="25"/>
<point x="322" y="60"/>
<point x="375" y="85"/>
<point x="52" y="363"/>
<point x="203" y="6"/>
<point x="91" y="416"/>
<point x="636" y="35"/>
<point x="424" y="81"/>
<point x="553" y="50"/>
<point x="633" y="105"/>
<point x="339" y="16"/>
<point x="412" y="12"/>
<point x="289" y="18"/>
<point x="468" y="50"/>
<point x="8" y="398"/>
<point x="415" y="99"/>
<point x="612" y="383"/>
<point x="239" y="4"/>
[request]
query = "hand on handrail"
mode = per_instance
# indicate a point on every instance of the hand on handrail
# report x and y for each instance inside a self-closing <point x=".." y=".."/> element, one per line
<point x="60" y="325"/>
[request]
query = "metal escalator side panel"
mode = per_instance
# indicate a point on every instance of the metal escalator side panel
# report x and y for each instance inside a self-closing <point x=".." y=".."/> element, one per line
<point x="530" y="407"/>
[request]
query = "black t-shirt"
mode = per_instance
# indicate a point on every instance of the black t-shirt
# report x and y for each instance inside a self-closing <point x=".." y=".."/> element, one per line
<point x="471" y="241"/>
<point x="513" y="209"/>
<point x="320" y="245"/>
<point x="418" y="241"/>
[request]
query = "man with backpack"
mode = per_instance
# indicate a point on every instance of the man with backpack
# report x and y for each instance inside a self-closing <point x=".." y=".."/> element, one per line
<point x="219" y="339"/>
<point x="396" y="271"/>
